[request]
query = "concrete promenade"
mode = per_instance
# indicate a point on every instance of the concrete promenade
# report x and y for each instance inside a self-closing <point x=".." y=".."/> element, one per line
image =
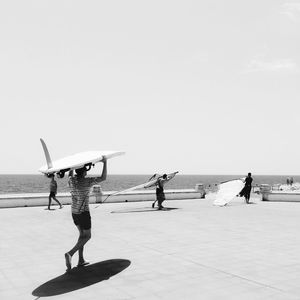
<point x="193" y="250"/>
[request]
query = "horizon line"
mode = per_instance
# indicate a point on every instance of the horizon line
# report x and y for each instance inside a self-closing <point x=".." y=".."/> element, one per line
<point x="187" y="174"/>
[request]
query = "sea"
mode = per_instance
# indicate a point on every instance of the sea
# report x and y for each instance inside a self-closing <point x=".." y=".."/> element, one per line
<point x="20" y="184"/>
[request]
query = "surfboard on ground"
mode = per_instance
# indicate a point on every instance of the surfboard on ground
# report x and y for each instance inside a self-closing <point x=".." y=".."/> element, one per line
<point x="228" y="191"/>
<point x="79" y="160"/>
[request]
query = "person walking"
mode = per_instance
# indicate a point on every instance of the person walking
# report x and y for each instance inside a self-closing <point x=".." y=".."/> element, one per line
<point x="247" y="188"/>
<point x="53" y="192"/>
<point x="160" y="195"/>
<point x="80" y="186"/>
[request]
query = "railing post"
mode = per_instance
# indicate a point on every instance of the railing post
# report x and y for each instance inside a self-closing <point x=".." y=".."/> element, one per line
<point x="200" y="188"/>
<point x="264" y="190"/>
<point x="97" y="192"/>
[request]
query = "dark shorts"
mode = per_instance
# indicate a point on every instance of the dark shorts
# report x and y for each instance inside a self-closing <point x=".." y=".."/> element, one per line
<point x="160" y="195"/>
<point x="82" y="220"/>
<point x="52" y="194"/>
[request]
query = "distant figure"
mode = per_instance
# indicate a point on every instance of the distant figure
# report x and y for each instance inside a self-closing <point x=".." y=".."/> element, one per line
<point x="80" y="189"/>
<point x="53" y="191"/>
<point x="291" y="181"/>
<point x="160" y="195"/>
<point x="247" y="188"/>
<point x="288" y="181"/>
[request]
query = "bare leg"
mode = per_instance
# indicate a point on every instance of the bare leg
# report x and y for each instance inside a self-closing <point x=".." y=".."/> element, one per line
<point x="81" y="261"/>
<point x="161" y="200"/>
<point x="159" y="204"/>
<point x="55" y="199"/>
<point x="247" y="197"/>
<point x="80" y="255"/>
<point x="49" y="203"/>
<point x="153" y="204"/>
<point x="84" y="236"/>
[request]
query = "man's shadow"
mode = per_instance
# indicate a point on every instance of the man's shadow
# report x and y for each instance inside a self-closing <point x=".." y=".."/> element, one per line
<point x="81" y="277"/>
<point x="143" y="209"/>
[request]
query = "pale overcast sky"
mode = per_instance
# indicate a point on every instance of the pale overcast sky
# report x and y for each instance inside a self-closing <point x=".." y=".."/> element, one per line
<point x="203" y="87"/>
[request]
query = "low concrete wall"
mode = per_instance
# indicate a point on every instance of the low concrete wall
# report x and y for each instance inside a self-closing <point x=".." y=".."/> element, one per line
<point x="281" y="196"/>
<point x="273" y="193"/>
<point x="41" y="199"/>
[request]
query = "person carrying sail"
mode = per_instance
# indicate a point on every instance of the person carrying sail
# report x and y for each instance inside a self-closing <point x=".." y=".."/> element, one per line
<point x="160" y="195"/>
<point x="247" y="188"/>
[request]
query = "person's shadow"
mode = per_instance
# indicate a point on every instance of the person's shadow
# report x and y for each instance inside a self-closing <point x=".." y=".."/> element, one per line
<point x="81" y="277"/>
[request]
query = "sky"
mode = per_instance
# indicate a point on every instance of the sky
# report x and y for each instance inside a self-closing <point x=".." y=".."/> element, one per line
<point x="199" y="87"/>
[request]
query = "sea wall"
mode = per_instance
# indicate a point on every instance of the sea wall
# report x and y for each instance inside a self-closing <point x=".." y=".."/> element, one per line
<point x="282" y="196"/>
<point x="97" y="196"/>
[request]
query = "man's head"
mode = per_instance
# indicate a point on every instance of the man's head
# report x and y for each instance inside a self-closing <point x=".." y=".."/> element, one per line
<point x="81" y="172"/>
<point x="249" y="174"/>
<point x="164" y="176"/>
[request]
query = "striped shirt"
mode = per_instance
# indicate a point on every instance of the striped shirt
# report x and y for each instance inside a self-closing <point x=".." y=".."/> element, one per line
<point x="80" y="191"/>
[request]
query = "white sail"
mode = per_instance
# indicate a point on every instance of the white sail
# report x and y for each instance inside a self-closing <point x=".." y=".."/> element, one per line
<point x="228" y="191"/>
<point x="152" y="182"/>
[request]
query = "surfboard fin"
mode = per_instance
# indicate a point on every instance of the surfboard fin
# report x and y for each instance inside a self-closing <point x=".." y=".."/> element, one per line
<point x="47" y="155"/>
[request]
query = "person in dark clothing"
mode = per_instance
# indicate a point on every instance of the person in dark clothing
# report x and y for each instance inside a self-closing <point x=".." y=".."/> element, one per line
<point x="247" y="188"/>
<point x="53" y="191"/>
<point x="160" y="195"/>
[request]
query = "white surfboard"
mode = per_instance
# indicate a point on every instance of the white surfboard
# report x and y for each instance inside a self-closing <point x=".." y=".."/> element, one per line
<point x="228" y="191"/>
<point x="76" y="161"/>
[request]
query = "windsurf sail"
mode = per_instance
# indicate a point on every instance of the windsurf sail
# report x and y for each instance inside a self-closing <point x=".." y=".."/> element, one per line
<point x="150" y="183"/>
<point x="228" y="191"/>
<point x="153" y="179"/>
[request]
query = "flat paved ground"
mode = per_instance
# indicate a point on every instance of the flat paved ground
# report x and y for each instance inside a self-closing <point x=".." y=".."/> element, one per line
<point x="193" y="251"/>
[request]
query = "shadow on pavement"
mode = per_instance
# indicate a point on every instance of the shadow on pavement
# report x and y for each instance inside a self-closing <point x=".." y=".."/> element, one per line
<point x="81" y="277"/>
<point x="231" y="204"/>
<point x="144" y="209"/>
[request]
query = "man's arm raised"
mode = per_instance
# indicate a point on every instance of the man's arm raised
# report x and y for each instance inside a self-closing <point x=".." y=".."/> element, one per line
<point x="104" y="171"/>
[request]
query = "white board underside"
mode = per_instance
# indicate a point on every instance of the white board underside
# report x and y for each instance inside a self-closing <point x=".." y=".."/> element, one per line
<point x="78" y="160"/>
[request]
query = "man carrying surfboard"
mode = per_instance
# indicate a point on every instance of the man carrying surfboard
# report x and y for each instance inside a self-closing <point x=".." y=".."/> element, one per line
<point x="80" y="188"/>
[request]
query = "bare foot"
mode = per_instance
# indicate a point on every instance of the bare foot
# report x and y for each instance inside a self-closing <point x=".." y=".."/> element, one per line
<point x="68" y="259"/>
<point x="83" y="263"/>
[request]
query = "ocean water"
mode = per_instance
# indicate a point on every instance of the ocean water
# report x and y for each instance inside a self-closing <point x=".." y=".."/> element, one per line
<point x="18" y="184"/>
